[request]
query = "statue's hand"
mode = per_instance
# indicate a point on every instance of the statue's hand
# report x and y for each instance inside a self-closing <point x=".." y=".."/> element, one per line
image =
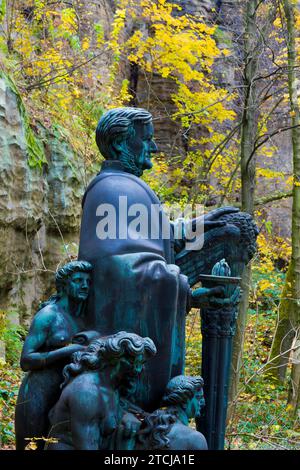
<point x="201" y="297"/>
<point x="231" y="301"/>
<point x="211" y="224"/>
<point x="130" y="425"/>
<point x="217" y="213"/>
<point x="73" y="348"/>
<point x="211" y="219"/>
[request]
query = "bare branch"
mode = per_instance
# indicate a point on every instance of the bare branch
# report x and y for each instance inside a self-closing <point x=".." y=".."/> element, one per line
<point x="273" y="197"/>
<point x="268" y="137"/>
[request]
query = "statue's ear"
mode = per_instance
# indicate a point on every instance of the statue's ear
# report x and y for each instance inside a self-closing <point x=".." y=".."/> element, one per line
<point x="116" y="146"/>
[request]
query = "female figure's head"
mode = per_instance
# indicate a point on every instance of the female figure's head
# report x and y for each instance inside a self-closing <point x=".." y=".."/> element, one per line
<point x="183" y="393"/>
<point x="72" y="280"/>
<point x="125" y="352"/>
<point x="186" y="393"/>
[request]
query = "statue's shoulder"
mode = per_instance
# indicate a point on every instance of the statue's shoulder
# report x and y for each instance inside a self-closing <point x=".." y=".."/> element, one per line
<point x="46" y="315"/>
<point x="110" y="184"/>
<point x="88" y="379"/>
<point x="85" y="385"/>
<point x="182" y="435"/>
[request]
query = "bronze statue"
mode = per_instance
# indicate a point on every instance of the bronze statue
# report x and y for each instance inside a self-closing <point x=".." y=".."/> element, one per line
<point x="143" y="274"/>
<point x="136" y="283"/>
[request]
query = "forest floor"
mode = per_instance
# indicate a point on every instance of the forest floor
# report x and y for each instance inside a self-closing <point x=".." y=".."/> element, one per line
<point x="261" y="418"/>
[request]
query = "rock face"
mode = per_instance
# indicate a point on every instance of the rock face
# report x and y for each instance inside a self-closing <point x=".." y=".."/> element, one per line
<point x="39" y="211"/>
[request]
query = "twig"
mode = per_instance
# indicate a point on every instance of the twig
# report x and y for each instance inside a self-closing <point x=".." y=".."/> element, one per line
<point x="61" y="235"/>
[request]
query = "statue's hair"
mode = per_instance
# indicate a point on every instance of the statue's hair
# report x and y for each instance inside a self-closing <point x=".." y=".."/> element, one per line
<point x="157" y="426"/>
<point x="118" y="122"/>
<point x="180" y="389"/>
<point x="61" y="277"/>
<point x="107" y="350"/>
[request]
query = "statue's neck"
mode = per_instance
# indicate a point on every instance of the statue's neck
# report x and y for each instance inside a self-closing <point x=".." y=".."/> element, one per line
<point x="112" y="165"/>
<point x="124" y="163"/>
<point x="109" y="377"/>
<point x="74" y="308"/>
<point x="182" y="416"/>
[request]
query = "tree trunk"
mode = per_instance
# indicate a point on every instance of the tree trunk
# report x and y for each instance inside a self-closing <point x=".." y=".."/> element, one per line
<point x="248" y="136"/>
<point x="255" y="36"/>
<point x="289" y="10"/>
<point x="284" y="332"/>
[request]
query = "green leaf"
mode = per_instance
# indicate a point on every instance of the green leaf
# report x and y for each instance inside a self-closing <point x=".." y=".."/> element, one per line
<point x="2" y="9"/>
<point x="75" y="42"/>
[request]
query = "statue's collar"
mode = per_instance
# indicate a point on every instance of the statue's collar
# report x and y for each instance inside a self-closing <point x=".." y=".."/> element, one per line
<point x="114" y="165"/>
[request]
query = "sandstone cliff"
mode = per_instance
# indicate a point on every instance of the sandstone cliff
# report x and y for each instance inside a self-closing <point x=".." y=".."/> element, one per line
<point x="39" y="210"/>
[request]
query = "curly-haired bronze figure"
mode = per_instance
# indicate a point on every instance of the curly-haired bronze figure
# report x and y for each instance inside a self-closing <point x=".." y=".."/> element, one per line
<point x="88" y="413"/>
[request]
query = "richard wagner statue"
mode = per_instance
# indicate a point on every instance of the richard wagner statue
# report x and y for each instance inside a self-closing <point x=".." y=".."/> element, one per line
<point x="136" y="284"/>
<point x="133" y="283"/>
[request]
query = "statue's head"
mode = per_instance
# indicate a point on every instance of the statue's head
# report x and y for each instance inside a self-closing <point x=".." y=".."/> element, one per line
<point x="125" y="352"/>
<point x="74" y="280"/>
<point x="134" y="351"/>
<point x="126" y="134"/>
<point x="187" y="393"/>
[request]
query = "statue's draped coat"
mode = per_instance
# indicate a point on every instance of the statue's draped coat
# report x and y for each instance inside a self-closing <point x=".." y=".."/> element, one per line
<point x="136" y="287"/>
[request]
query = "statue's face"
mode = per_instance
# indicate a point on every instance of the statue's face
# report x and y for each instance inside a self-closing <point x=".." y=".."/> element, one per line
<point x="131" y="368"/>
<point x="195" y="405"/>
<point x="78" y="286"/>
<point x="141" y="145"/>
